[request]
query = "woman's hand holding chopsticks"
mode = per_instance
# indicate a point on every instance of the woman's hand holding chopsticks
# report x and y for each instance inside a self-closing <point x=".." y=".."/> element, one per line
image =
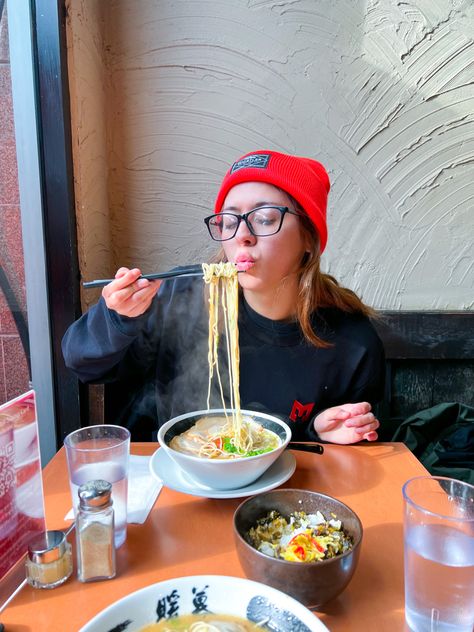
<point x="128" y="295"/>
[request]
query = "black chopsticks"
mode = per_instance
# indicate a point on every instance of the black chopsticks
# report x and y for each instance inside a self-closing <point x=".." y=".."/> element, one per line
<point x="306" y="446"/>
<point x="194" y="270"/>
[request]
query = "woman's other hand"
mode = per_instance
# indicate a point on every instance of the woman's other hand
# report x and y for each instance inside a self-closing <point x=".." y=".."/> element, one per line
<point x="128" y="295"/>
<point x="348" y="423"/>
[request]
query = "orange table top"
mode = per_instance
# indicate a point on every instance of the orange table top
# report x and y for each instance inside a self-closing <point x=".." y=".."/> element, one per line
<point x="366" y="477"/>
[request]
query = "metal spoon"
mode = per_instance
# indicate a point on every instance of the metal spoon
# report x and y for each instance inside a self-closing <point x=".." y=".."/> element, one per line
<point x="262" y="611"/>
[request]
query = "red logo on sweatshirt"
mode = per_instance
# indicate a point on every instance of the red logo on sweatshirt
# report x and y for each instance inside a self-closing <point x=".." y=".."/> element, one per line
<point x="301" y="412"/>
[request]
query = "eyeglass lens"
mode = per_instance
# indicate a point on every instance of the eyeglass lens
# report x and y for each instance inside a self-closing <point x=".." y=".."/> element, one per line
<point x="261" y="222"/>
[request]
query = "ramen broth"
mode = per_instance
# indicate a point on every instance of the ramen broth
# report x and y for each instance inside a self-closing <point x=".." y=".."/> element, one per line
<point x="203" y="623"/>
<point x="211" y="437"/>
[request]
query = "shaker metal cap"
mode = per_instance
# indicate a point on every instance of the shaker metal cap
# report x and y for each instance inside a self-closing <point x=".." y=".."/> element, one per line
<point x="47" y="547"/>
<point x="95" y="494"/>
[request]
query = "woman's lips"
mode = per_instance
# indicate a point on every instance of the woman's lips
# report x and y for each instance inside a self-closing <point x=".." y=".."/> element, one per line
<point x="244" y="264"/>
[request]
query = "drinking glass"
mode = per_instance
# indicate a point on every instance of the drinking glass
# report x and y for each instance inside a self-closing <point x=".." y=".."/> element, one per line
<point x="439" y="554"/>
<point x="101" y="452"/>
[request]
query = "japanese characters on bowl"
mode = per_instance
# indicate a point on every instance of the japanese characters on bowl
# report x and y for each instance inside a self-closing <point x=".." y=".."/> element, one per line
<point x="207" y="597"/>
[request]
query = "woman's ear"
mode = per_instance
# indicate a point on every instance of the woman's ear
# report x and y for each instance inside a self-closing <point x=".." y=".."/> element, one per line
<point x="310" y="243"/>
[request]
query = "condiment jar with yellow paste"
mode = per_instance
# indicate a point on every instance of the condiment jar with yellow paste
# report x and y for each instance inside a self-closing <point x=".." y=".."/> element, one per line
<point x="49" y="560"/>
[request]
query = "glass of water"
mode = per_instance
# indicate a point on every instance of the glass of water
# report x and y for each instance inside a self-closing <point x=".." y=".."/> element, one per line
<point x="439" y="554"/>
<point x="101" y="452"/>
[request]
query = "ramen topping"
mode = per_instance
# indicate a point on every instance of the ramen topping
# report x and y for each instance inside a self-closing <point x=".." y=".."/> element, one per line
<point x="211" y="437"/>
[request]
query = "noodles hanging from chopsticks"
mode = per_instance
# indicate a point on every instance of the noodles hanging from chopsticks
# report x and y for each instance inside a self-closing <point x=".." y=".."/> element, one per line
<point x="224" y="291"/>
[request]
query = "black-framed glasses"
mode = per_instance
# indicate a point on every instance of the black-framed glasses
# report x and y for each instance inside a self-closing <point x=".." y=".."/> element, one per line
<point x="261" y="222"/>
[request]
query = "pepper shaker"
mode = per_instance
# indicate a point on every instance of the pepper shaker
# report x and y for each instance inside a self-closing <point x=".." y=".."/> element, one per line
<point x="95" y="532"/>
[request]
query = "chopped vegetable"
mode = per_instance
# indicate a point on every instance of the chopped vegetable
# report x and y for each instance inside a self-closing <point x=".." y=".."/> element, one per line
<point x="228" y="446"/>
<point x="218" y="442"/>
<point x="300" y="538"/>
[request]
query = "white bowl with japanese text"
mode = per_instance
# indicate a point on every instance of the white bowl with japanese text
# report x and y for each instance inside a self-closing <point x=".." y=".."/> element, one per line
<point x="203" y="594"/>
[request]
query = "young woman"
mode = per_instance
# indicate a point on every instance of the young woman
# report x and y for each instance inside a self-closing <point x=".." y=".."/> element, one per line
<point x="308" y="352"/>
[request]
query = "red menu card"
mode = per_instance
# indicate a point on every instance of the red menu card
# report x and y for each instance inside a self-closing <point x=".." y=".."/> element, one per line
<point x="21" y="484"/>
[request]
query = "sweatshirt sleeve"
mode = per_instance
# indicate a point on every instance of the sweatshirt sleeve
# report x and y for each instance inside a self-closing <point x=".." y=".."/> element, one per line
<point x="367" y="382"/>
<point x="101" y="346"/>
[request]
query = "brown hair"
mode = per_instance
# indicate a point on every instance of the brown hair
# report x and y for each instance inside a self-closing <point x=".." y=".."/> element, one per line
<point x="317" y="289"/>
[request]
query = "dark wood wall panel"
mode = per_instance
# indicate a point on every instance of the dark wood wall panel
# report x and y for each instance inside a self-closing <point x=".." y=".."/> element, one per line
<point x="427" y="335"/>
<point x="430" y="360"/>
<point x="411" y="388"/>
<point x="421" y="384"/>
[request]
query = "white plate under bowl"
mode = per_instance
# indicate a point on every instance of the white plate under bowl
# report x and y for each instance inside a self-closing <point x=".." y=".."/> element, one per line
<point x="175" y="478"/>
<point x="184" y="595"/>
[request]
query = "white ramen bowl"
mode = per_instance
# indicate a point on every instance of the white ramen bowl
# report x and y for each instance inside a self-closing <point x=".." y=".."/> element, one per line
<point x="223" y="473"/>
<point x="184" y="595"/>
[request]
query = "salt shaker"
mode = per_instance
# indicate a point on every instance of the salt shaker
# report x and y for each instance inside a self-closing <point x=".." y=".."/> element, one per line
<point x="95" y="532"/>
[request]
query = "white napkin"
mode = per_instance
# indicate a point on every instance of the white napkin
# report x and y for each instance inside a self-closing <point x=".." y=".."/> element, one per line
<point x="143" y="490"/>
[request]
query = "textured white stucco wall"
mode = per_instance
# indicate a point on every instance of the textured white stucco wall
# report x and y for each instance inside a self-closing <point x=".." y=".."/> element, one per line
<point x="88" y="78"/>
<point x="381" y="91"/>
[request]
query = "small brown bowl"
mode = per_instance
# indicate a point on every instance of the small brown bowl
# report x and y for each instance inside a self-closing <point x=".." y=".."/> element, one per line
<point x="311" y="583"/>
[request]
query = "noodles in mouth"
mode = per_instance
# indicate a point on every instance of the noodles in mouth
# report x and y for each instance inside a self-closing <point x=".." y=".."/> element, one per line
<point x="230" y="435"/>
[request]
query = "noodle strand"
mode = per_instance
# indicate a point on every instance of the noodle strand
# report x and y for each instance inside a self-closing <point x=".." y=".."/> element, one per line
<point x="224" y="290"/>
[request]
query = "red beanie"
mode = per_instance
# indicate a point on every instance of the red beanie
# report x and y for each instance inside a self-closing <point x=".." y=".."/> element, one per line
<point x="306" y="180"/>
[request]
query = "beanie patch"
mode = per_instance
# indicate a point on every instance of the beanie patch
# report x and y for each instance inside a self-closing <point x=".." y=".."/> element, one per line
<point x="257" y="161"/>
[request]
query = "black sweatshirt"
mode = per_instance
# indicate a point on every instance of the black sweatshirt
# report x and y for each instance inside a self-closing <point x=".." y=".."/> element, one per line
<point x="160" y="357"/>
